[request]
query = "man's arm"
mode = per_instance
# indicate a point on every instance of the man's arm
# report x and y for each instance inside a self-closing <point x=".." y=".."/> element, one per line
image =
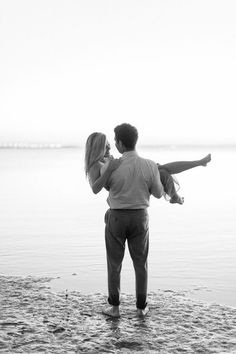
<point x="156" y="188"/>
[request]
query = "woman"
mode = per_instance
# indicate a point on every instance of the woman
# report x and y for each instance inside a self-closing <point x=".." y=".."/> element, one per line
<point x="99" y="165"/>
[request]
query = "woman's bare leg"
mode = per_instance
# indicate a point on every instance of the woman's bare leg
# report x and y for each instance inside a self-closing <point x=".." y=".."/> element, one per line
<point x="169" y="186"/>
<point x="181" y="166"/>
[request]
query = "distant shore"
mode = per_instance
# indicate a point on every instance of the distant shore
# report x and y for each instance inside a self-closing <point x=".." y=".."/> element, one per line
<point x="33" y="146"/>
<point x="35" y="319"/>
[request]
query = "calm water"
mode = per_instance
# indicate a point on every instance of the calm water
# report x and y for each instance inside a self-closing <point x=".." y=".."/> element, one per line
<point x="51" y="224"/>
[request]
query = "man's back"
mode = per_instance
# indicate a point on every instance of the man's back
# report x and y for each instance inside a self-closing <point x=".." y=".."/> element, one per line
<point x="133" y="182"/>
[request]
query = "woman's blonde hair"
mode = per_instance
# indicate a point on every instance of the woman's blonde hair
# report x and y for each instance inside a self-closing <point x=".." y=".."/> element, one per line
<point x="94" y="150"/>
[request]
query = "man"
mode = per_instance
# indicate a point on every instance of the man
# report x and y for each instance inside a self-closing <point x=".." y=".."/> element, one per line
<point x="130" y="187"/>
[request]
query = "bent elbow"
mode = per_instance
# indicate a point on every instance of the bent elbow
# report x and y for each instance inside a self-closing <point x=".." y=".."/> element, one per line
<point x="162" y="192"/>
<point x="159" y="194"/>
<point x="95" y="190"/>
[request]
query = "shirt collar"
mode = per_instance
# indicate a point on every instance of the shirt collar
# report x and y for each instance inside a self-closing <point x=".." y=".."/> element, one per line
<point x="129" y="154"/>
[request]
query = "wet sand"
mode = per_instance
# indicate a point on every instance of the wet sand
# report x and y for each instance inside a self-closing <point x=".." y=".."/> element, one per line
<point x="33" y="319"/>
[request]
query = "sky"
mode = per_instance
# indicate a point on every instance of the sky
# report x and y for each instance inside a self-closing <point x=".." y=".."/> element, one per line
<point x="69" y="68"/>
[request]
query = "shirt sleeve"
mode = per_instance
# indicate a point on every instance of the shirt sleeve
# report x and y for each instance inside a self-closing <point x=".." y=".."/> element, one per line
<point x="156" y="188"/>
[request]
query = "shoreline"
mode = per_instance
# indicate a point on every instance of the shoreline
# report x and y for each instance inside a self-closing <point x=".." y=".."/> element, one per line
<point x="35" y="319"/>
<point x="197" y="291"/>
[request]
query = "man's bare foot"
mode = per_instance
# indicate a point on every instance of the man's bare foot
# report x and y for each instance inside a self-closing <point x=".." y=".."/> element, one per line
<point x="205" y="160"/>
<point x="112" y="311"/>
<point x="177" y="199"/>
<point x="143" y="312"/>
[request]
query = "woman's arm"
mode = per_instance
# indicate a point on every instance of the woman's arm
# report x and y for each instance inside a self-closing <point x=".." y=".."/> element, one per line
<point x="98" y="181"/>
<point x="181" y="166"/>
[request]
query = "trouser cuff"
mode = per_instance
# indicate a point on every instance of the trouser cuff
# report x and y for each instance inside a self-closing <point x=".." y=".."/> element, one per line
<point x="114" y="300"/>
<point x="141" y="302"/>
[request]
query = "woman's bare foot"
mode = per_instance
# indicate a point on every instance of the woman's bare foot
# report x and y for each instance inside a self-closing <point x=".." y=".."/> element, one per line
<point x="205" y="160"/>
<point x="177" y="199"/>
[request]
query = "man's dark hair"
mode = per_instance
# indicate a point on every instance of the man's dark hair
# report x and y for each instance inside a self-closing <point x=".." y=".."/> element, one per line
<point x="127" y="134"/>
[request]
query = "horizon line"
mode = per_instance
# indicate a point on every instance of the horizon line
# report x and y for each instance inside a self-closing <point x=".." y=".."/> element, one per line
<point x="52" y="145"/>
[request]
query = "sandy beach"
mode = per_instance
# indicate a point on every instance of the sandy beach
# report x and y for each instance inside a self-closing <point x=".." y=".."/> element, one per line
<point x="34" y="319"/>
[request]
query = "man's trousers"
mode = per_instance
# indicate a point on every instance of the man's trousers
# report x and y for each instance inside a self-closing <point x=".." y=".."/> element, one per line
<point x="131" y="225"/>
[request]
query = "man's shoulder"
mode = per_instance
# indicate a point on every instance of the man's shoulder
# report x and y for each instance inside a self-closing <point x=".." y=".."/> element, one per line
<point x="148" y="166"/>
<point x="148" y="161"/>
